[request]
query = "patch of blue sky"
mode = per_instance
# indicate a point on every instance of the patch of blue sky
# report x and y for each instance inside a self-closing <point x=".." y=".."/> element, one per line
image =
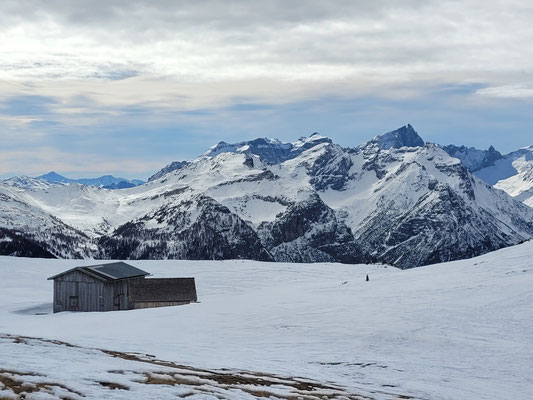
<point x="451" y="114"/>
<point x="26" y="105"/>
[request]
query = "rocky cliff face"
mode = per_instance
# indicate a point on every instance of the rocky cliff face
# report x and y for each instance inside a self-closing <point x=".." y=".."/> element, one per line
<point x="310" y="231"/>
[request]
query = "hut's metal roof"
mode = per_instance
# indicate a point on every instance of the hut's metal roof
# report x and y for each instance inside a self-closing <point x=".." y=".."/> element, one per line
<point x="109" y="271"/>
<point x="116" y="270"/>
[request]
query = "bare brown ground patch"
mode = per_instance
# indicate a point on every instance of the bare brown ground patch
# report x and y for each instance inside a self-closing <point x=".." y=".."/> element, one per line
<point x="27" y="340"/>
<point x="222" y="383"/>
<point x="113" y="385"/>
<point x="15" y="381"/>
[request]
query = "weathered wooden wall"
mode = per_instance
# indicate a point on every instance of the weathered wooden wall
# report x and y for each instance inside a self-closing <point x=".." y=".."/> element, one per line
<point x="116" y="295"/>
<point x="93" y="294"/>
<point x="75" y="284"/>
<point x="78" y="291"/>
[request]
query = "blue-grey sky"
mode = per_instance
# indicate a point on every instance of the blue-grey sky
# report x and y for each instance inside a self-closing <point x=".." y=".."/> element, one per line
<point x="108" y="86"/>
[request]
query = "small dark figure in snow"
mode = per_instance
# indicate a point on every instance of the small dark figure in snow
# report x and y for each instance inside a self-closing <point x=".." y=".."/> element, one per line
<point x="367" y="278"/>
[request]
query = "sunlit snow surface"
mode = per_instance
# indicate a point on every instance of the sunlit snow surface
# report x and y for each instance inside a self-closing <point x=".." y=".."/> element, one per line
<point x="459" y="330"/>
<point x="512" y="174"/>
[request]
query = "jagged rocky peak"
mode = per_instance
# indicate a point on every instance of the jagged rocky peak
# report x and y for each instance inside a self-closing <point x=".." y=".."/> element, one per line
<point x="405" y="136"/>
<point x="474" y="159"/>
<point x="173" y="166"/>
<point x="270" y="151"/>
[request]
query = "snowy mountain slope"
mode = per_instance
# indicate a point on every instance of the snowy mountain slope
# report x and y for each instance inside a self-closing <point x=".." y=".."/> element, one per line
<point x="457" y="330"/>
<point x="28" y="230"/>
<point x="512" y="173"/>
<point x="394" y="199"/>
<point x="411" y="206"/>
<point x="80" y="206"/>
<point x="196" y="228"/>
<point x="173" y="166"/>
<point x="27" y="182"/>
<point x="95" y="211"/>
<point x="218" y="216"/>
<point x="519" y="185"/>
<point x="270" y="151"/>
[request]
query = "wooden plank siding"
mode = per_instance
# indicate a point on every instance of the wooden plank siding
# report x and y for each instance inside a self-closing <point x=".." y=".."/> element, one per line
<point x="92" y="294"/>
<point x="76" y="291"/>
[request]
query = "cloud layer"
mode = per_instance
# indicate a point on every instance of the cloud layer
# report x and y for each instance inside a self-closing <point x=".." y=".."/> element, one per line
<point x="314" y="41"/>
<point x="82" y="66"/>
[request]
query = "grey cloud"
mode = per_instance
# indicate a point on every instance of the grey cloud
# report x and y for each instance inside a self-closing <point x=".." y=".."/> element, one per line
<point x="223" y="41"/>
<point x="227" y="14"/>
<point x="226" y="23"/>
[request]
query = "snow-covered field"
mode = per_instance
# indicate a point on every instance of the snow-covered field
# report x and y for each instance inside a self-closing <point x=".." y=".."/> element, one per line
<point x="459" y="330"/>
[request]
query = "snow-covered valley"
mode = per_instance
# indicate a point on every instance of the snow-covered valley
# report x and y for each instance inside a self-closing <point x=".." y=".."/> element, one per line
<point x="457" y="330"/>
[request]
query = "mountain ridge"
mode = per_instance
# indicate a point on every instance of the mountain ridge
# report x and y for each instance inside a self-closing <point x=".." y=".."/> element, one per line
<point x="394" y="199"/>
<point x="104" y="181"/>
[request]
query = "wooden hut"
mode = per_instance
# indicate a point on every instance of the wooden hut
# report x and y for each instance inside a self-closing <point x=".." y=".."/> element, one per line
<point x="117" y="286"/>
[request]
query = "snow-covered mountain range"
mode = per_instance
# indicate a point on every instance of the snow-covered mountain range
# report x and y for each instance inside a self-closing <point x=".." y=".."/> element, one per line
<point x="394" y="199"/>
<point x="105" y="181"/>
